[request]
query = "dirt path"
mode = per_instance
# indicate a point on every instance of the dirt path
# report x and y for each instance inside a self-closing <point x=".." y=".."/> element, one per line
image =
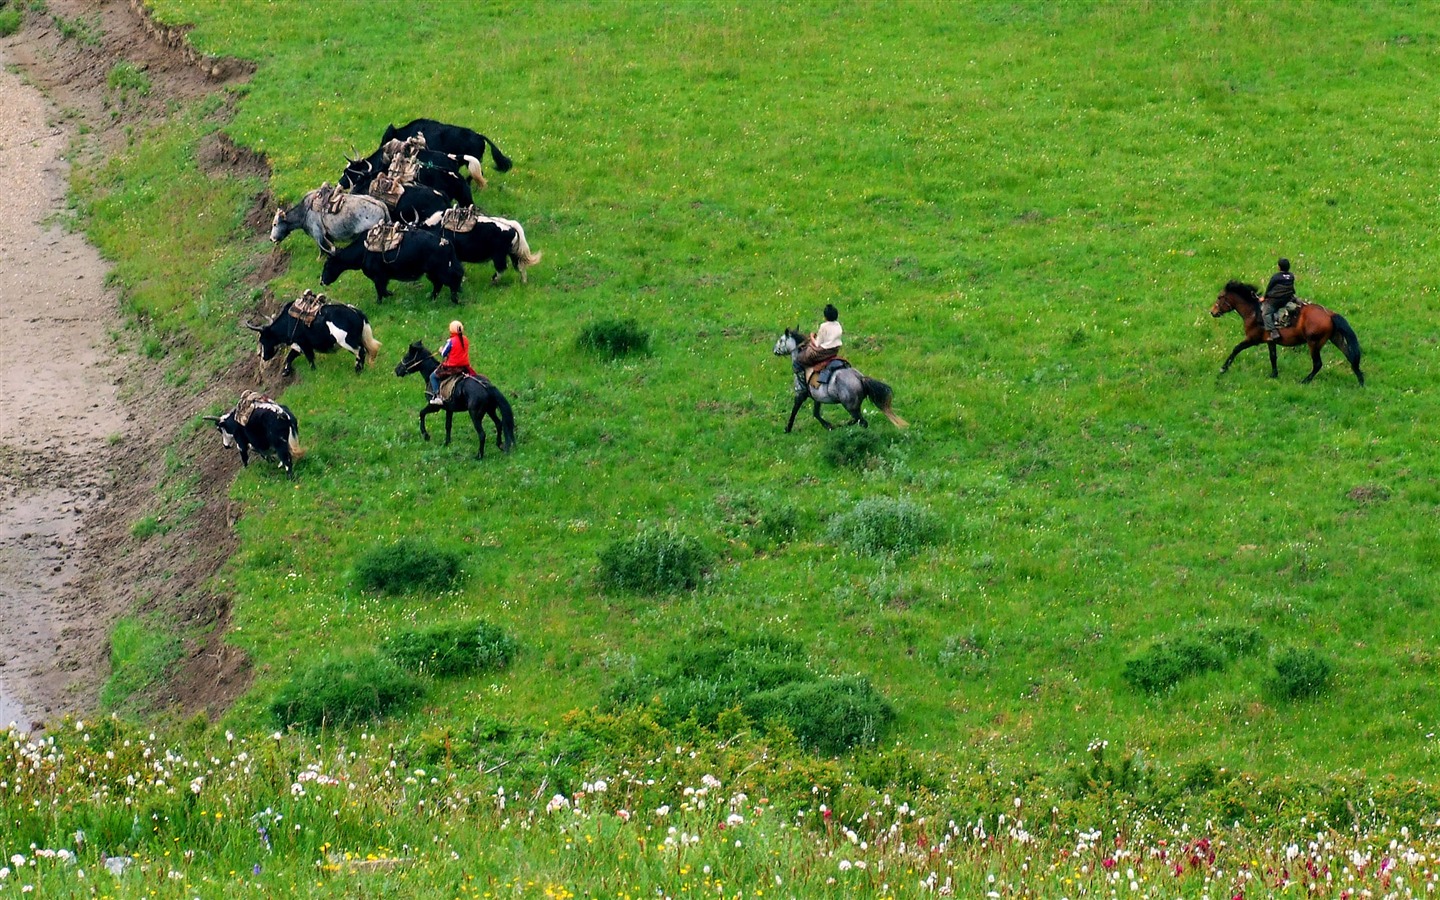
<point x="57" y="398"/>
<point x="85" y="429"/>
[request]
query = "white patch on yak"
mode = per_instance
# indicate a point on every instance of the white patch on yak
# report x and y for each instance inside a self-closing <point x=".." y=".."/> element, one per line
<point x="339" y="334"/>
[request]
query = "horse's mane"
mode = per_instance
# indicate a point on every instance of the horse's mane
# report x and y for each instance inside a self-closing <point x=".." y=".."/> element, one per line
<point x="1248" y="291"/>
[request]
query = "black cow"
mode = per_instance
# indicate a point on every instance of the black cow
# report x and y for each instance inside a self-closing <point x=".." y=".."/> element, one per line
<point x="492" y="239"/>
<point x="268" y="428"/>
<point x="336" y="326"/>
<point x="420" y="253"/>
<point x="440" y="171"/>
<point x="417" y="203"/>
<point x="454" y="139"/>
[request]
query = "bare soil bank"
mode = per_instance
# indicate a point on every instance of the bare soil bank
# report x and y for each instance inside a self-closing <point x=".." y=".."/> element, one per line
<point x="86" y="430"/>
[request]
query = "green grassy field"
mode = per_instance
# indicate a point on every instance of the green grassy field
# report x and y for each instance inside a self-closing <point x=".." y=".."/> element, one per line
<point x="1023" y="212"/>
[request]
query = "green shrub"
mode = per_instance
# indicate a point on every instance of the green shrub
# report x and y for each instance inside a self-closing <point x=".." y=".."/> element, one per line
<point x="10" y="19"/>
<point x="654" y="561"/>
<point x="1299" y="673"/>
<point x="828" y="715"/>
<point x="452" y="650"/>
<point x="853" y="448"/>
<point x="613" y="338"/>
<point x="336" y="693"/>
<point x="125" y="77"/>
<point x="408" y="565"/>
<point x="762" y="520"/>
<point x="1168" y="663"/>
<point x="885" y="525"/>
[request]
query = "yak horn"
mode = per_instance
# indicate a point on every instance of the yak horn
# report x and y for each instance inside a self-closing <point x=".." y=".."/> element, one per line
<point x="215" y="419"/>
<point x="254" y="327"/>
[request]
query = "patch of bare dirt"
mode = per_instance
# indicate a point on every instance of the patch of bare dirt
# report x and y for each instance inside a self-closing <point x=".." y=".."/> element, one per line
<point x="84" y="452"/>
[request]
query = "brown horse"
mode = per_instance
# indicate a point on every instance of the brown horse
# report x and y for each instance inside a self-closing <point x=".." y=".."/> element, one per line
<point x="1313" y="327"/>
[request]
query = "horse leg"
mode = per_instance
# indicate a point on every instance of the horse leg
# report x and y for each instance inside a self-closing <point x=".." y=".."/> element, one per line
<point x="1243" y="345"/>
<point x="799" y="402"/>
<point x="449" y="417"/>
<point x="477" y="418"/>
<point x="424" y="411"/>
<point x="1274" y="366"/>
<point x="1314" y="361"/>
<point x="499" y="430"/>
<point x="821" y="419"/>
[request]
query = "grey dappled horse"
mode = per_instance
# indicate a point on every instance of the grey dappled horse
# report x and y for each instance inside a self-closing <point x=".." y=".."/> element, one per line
<point x="358" y="213"/>
<point x="846" y="387"/>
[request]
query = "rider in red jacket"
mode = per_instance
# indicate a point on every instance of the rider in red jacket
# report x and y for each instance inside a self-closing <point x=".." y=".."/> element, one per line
<point x="454" y="358"/>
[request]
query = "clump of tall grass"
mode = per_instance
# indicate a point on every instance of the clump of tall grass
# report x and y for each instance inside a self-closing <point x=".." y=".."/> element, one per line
<point x="343" y="691"/>
<point x="764" y="520"/>
<point x="656" y="560"/>
<point x="613" y="338"/>
<point x="1167" y="663"/>
<point x="459" y="649"/>
<point x="885" y="525"/>
<point x="1299" y="673"/>
<point x="406" y="565"/>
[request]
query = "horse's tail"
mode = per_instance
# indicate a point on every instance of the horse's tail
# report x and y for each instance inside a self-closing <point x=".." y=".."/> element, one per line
<point x="502" y="162"/>
<point x="372" y="346"/>
<point x="879" y="394"/>
<point x="507" y="419"/>
<point x="1343" y="336"/>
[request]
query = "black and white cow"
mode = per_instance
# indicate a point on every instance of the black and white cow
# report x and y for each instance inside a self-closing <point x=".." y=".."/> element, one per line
<point x="492" y="240"/>
<point x="269" y="429"/>
<point x="454" y="139"/>
<point x="337" y="326"/>
<point x="420" y="253"/>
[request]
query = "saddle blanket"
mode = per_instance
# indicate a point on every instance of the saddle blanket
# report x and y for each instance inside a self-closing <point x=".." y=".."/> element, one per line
<point x="448" y="385"/>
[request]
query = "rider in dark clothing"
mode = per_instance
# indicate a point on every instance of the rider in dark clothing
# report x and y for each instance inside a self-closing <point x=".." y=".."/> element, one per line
<point x="1280" y="291"/>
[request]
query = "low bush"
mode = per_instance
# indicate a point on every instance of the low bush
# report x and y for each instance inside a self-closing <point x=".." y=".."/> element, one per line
<point x="10" y="19"/>
<point x="613" y="338"/>
<point x="828" y="715"/>
<point x="853" y="448"/>
<point x="1299" y="673"/>
<point x="407" y="565"/>
<point x="657" y="560"/>
<point x="1168" y="663"/>
<point x="452" y="650"/>
<point x="885" y="525"/>
<point x="339" y="692"/>
<point x="763" y="520"/>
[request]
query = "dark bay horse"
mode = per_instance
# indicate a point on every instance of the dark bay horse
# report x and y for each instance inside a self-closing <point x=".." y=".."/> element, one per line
<point x="846" y="387"/>
<point x="476" y="396"/>
<point x="1313" y="327"/>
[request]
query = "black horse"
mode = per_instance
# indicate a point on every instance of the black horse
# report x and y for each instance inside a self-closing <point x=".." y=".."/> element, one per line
<point x="473" y="394"/>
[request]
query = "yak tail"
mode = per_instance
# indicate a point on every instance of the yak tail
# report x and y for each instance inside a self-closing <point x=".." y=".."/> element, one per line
<point x="502" y="162"/>
<point x="372" y="346"/>
<point x="1344" y="337"/>
<point x="507" y="420"/>
<point x="879" y="394"/>
<point x="473" y="164"/>
<point x="521" y="248"/>
<point x="293" y="439"/>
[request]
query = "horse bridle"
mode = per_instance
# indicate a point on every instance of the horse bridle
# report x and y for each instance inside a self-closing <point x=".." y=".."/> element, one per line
<point x="416" y="364"/>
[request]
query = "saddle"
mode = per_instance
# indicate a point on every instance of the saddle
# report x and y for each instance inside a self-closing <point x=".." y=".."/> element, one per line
<point x="1286" y="315"/>
<point x="819" y="375"/>
<point x="306" y="307"/>
<point x="247" y="403"/>
<point x="328" y="199"/>
<point x="397" y="147"/>
<point x="460" y="219"/>
<point x="404" y="169"/>
<point x="385" y="237"/>
<point x="449" y="383"/>
<point x="387" y="189"/>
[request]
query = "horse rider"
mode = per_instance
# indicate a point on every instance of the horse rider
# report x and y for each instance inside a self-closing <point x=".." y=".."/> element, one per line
<point x="824" y="344"/>
<point x="1280" y="291"/>
<point x="454" y="357"/>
